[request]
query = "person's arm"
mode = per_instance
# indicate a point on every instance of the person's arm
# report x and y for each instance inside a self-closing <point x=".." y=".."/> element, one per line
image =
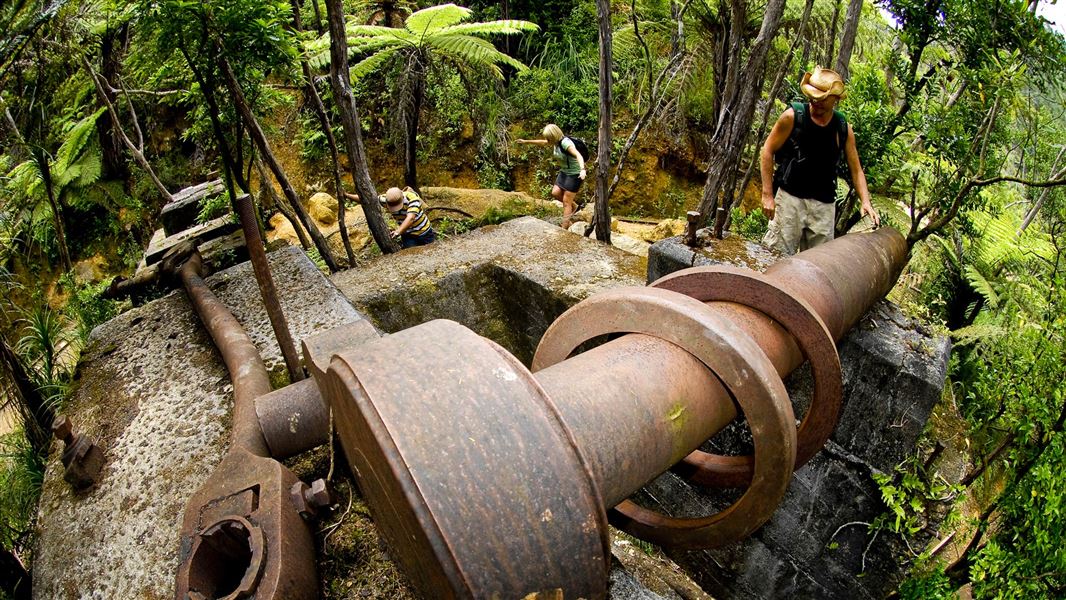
<point x="405" y="225"/>
<point x="858" y="178"/>
<point x="533" y="142"/>
<point x="777" y="138"/>
<point x="580" y="159"/>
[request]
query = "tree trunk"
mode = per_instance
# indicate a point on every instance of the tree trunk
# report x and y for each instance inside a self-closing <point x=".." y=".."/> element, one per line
<point x="57" y="209"/>
<point x="34" y="411"/>
<point x="738" y="107"/>
<point x="311" y="92"/>
<point x="257" y="135"/>
<point x="353" y="135"/>
<point x="410" y="122"/>
<point x="266" y="188"/>
<point x="847" y="39"/>
<point x="230" y="169"/>
<point x="603" y="139"/>
<point x="831" y="50"/>
<point x="318" y="17"/>
<point x="767" y="110"/>
<point x="111" y="49"/>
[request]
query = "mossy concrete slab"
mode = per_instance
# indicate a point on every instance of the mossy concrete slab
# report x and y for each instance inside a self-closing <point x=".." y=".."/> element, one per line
<point x="152" y="390"/>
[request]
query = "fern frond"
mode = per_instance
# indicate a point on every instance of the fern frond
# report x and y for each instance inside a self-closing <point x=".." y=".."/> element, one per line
<point x="77" y="137"/>
<point x="977" y="333"/>
<point x="434" y="18"/>
<point x="982" y="286"/>
<point x="357" y="46"/>
<point x="475" y="51"/>
<point x="371" y="31"/>
<point x="505" y="27"/>
<point x="370" y="64"/>
<point x="91" y="166"/>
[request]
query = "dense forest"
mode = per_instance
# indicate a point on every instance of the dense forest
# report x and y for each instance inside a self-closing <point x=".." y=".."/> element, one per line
<point x="111" y="106"/>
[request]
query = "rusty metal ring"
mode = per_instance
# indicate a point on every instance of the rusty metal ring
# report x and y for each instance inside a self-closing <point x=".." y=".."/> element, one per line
<point x="208" y="562"/>
<point x="741" y="365"/>
<point x="742" y="286"/>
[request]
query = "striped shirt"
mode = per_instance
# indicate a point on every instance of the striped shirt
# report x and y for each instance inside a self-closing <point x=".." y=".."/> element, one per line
<point x="412" y="205"/>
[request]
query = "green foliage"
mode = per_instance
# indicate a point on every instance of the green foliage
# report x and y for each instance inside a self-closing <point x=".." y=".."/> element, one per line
<point x="212" y="207"/>
<point x="934" y="585"/>
<point x="86" y="306"/>
<point x="21" y="476"/>
<point x="542" y="96"/>
<point x="44" y="347"/>
<point x="908" y="492"/>
<point x="512" y="209"/>
<point x="751" y="225"/>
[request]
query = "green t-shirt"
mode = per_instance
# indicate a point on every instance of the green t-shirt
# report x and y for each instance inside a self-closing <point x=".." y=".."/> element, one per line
<point x="567" y="163"/>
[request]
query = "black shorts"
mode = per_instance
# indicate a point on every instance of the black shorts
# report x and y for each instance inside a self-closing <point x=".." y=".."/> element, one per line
<point x="570" y="183"/>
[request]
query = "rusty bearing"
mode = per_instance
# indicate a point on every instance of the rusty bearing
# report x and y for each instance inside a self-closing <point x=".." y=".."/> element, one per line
<point x="731" y="284"/>
<point x="737" y="361"/>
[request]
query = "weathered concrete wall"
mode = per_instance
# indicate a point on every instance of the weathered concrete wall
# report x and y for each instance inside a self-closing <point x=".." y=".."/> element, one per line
<point x="894" y="371"/>
<point x="506" y="282"/>
<point x="152" y="389"/>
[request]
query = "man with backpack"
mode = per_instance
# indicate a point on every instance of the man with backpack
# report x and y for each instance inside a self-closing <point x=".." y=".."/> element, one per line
<point x="806" y="143"/>
<point x="571" y="154"/>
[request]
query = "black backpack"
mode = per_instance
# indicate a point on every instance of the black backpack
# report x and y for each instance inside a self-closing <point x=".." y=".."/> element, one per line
<point x="790" y="157"/>
<point x="582" y="147"/>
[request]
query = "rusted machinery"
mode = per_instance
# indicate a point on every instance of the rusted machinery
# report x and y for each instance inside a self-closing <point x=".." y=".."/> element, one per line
<point x="493" y="481"/>
<point x="489" y="480"/>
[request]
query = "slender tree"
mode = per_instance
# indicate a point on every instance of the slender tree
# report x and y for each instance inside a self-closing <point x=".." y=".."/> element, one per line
<point x="736" y="102"/>
<point x="603" y="151"/>
<point x="847" y="38"/>
<point x="353" y="135"/>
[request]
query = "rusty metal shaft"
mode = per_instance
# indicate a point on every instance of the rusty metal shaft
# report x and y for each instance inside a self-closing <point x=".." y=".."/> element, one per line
<point x="257" y="256"/>
<point x="664" y="403"/>
<point x="245" y="366"/>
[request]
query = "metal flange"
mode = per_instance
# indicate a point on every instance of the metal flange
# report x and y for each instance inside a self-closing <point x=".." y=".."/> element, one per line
<point x="723" y="283"/>
<point x="741" y="365"/>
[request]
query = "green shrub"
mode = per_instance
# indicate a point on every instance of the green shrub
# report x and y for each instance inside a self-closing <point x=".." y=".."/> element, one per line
<point x="751" y="225"/>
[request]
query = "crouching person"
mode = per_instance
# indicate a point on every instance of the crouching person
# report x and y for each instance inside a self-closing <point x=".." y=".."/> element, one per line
<point x="406" y="209"/>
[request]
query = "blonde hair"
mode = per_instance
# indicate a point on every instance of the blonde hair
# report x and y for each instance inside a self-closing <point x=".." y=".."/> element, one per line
<point x="552" y="133"/>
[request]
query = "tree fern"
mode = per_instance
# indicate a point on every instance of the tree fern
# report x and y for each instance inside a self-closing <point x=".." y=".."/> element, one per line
<point x="982" y="286"/>
<point x="428" y="38"/>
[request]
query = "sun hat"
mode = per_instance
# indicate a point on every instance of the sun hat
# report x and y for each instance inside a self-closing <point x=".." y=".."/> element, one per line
<point x="822" y="83"/>
<point x="393" y="196"/>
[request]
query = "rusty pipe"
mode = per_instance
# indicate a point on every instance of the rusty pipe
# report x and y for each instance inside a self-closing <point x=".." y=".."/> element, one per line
<point x="241" y="535"/>
<point x="257" y="256"/>
<point x="245" y="366"/>
<point x="840" y="281"/>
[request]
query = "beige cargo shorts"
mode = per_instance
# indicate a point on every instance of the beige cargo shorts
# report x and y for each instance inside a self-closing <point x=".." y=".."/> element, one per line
<point x="799" y="224"/>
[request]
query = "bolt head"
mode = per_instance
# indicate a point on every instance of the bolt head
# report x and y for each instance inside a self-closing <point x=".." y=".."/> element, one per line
<point x="321" y="496"/>
<point x="62" y="428"/>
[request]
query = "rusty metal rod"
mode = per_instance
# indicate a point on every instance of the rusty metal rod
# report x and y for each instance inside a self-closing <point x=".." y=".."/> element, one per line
<point x="245" y="366"/>
<point x="665" y="402"/>
<point x="257" y="255"/>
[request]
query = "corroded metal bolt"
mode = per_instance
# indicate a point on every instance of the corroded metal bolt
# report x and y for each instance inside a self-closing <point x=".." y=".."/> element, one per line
<point x="297" y="493"/>
<point x="319" y="495"/>
<point x="309" y="499"/>
<point x="693" y="218"/>
<point x="63" y="430"/>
